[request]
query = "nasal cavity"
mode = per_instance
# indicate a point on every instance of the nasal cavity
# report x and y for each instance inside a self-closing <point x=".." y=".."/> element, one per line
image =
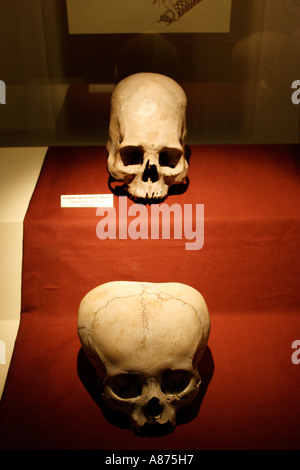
<point x="150" y="173"/>
<point x="153" y="407"/>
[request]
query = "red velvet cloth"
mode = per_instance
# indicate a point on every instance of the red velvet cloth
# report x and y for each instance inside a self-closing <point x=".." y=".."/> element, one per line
<point x="248" y="271"/>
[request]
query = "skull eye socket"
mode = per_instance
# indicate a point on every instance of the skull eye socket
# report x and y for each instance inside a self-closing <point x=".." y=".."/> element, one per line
<point x="132" y="155"/>
<point x="175" y="381"/>
<point x="169" y="157"/>
<point x="126" y="385"/>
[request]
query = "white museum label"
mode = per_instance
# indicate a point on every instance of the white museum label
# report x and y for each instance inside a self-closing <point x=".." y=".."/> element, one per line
<point x="87" y="200"/>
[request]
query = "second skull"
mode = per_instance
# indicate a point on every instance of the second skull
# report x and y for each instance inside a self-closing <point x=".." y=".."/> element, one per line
<point x="145" y="341"/>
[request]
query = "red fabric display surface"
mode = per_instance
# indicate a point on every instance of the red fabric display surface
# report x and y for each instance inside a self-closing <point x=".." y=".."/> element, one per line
<point x="248" y="271"/>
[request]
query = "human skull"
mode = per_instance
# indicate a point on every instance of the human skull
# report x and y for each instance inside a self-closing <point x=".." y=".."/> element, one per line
<point x="145" y="341"/>
<point x="147" y="131"/>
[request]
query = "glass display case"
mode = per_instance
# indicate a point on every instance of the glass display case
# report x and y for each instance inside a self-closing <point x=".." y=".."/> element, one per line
<point x="234" y="206"/>
<point x="237" y="63"/>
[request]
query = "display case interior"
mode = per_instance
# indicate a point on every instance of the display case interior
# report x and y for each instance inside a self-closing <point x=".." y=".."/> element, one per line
<point x="238" y="82"/>
<point x="218" y="214"/>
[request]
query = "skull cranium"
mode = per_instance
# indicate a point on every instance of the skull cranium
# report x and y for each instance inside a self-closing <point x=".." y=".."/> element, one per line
<point x="147" y="132"/>
<point x="145" y="341"/>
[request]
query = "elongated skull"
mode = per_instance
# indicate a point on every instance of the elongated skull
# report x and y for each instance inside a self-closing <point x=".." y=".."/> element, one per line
<point x="147" y="131"/>
<point x="145" y="341"/>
